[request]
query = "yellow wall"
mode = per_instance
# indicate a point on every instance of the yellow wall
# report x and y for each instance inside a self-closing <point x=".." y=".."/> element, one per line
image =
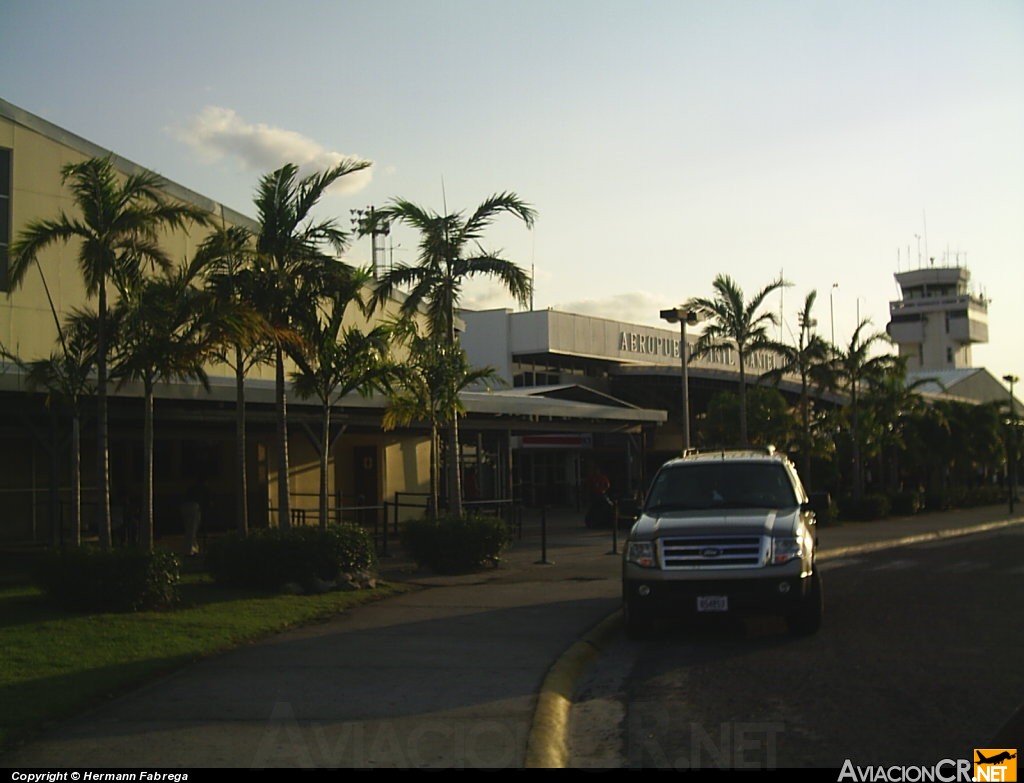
<point x="27" y="325"/>
<point x="407" y="469"/>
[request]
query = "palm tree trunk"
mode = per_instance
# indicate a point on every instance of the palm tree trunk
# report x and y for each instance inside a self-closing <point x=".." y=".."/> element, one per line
<point x="805" y="422"/>
<point x="325" y="445"/>
<point x="858" y="477"/>
<point x="56" y="512"/>
<point x="284" y="520"/>
<point x="241" y="485"/>
<point x="743" y="400"/>
<point x="102" y="449"/>
<point x="434" y="461"/>
<point x="147" y="468"/>
<point x="454" y="477"/>
<point x="454" y="471"/>
<point x="76" y="475"/>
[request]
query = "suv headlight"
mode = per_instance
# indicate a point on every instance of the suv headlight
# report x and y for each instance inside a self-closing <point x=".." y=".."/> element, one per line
<point x="641" y="553"/>
<point x="786" y="549"/>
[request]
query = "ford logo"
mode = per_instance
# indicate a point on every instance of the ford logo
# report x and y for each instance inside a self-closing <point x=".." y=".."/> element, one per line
<point x="710" y="552"/>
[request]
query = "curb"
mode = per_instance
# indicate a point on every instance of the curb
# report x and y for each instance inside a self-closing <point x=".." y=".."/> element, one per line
<point x="920" y="538"/>
<point x="547" y="744"/>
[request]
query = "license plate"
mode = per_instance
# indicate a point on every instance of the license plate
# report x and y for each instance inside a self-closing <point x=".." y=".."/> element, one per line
<point x="712" y="603"/>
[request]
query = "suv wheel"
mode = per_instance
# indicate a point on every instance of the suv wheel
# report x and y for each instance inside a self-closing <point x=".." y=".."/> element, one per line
<point x="806" y="619"/>
<point x="637" y="625"/>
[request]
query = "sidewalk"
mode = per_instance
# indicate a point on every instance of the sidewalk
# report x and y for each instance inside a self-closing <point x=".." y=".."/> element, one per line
<point x="470" y="671"/>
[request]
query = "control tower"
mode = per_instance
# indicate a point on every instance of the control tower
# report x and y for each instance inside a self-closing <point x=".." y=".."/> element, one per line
<point x="937" y="319"/>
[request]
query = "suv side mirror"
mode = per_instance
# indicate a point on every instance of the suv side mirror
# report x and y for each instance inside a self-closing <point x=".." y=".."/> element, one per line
<point x="821" y="504"/>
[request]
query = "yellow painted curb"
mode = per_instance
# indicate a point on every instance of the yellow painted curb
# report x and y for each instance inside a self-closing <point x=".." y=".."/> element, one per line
<point x="547" y="746"/>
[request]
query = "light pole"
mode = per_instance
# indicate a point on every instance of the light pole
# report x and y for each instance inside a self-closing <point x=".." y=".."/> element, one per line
<point x="683" y="316"/>
<point x="365" y="222"/>
<point x="831" y="312"/>
<point x="1011" y="442"/>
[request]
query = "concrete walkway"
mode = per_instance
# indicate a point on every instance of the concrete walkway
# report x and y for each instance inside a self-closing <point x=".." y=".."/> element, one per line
<point x="471" y="671"/>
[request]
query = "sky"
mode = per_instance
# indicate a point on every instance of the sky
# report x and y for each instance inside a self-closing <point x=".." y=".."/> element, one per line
<point x="661" y="142"/>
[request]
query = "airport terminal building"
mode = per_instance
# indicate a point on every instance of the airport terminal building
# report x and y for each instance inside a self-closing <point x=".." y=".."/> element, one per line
<point x="195" y="427"/>
<point x="639" y="365"/>
<point x="580" y="391"/>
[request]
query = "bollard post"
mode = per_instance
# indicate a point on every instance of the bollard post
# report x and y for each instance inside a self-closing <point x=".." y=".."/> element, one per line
<point x="543" y="538"/>
<point x="615" y="528"/>
<point x="384" y="546"/>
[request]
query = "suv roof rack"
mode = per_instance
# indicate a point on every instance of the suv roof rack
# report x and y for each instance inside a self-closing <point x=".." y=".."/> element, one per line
<point x="768" y="450"/>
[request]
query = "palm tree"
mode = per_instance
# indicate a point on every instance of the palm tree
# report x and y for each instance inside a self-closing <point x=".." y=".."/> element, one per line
<point x="423" y="390"/>
<point x="450" y="254"/>
<point x="161" y="335"/>
<point x="117" y="230"/>
<point x="853" y="367"/>
<point x="891" y="404"/>
<point x="65" y="378"/>
<point x="809" y="359"/>
<point x="242" y="336"/>
<point x="336" y="360"/>
<point x="290" y="245"/>
<point x="737" y="322"/>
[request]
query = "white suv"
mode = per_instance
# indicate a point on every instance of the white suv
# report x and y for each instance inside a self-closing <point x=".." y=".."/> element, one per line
<point x="723" y="532"/>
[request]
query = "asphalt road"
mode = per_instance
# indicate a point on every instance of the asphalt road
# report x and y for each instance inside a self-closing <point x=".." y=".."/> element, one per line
<point x="918" y="661"/>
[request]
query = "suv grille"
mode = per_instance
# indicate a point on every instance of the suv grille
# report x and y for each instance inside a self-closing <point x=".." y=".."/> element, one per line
<point x="714" y="551"/>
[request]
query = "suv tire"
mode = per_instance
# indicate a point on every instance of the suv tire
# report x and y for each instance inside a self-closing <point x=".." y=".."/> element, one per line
<point x="807" y="618"/>
<point x="637" y="625"/>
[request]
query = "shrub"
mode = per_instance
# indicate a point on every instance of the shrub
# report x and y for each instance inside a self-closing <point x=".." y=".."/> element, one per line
<point x="453" y="545"/>
<point x="907" y="503"/>
<point x="938" y="501"/>
<point x="867" y="508"/>
<point x="964" y="497"/>
<point x="119" y="580"/>
<point x="987" y="495"/>
<point x="271" y="558"/>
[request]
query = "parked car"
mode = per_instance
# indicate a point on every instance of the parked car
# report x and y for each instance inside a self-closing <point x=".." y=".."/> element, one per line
<point x="723" y="533"/>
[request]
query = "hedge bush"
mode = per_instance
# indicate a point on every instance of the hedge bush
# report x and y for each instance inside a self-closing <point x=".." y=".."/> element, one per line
<point x="907" y="503"/>
<point x="268" y="559"/>
<point x="88" y="579"/>
<point x="867" y="508"/>
<point x="453" y="545"/>
<point x="965" y="497"/>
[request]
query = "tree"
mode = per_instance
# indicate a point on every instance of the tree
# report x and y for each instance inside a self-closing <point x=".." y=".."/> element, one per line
<point x="890" y="404"/>
<point x="810" y="360"/>
<point x="426" y="389"/>
<point x="450" y="254"/>
<point x="65" y="379"/>
<point x="160" y="335"/>
<point x="290" y="246"/>
<point x="117" y="228"/>
<point x="771" y="419"/>
<point x="736" y="322"/>
<point x="854" y="366"/>
<point x="242" y="336"/>
<point x="336" y="360"/>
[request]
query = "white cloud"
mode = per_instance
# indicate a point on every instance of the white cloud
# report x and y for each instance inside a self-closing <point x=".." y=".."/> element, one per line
<point x="637" y="307"/>
<point x="218" y="132"/>
<point x="481" y="295"/>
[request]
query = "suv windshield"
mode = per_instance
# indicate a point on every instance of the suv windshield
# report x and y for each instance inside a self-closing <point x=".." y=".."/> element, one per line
<point x="721" y="485"/>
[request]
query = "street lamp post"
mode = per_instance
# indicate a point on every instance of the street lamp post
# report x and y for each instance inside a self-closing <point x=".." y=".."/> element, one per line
<point x="1011" y="443"/>
<point x="683" y="316"/>
<point x="831" y="312"/>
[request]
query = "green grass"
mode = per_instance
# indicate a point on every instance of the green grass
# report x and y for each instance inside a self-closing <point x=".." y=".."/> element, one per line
<point x="55" y="664"/>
